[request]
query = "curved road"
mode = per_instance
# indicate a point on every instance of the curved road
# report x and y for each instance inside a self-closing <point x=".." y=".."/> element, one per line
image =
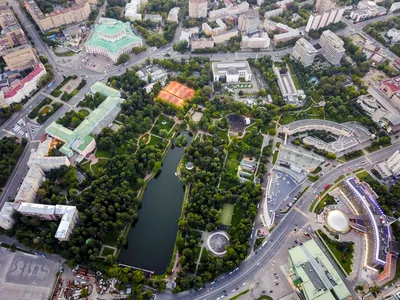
<point x="250" y="266"/>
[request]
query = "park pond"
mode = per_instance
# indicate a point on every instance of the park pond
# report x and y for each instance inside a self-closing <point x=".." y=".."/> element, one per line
<point x="151" y="240"/>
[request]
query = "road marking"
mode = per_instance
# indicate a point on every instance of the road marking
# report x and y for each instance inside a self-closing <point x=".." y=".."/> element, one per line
<point x="9" y="132"/>
<point x="301" y="212"/>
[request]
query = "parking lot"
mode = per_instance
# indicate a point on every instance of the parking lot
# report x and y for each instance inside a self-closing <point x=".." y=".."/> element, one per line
<point x="24" y="276"/>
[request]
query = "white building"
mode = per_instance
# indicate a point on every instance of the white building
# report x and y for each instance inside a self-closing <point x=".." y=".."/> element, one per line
<point x="216" y="30"/>
<point x="286" y="33"/>
<point x="202" y="43"/>
<point x="304" y="52"/>
<point x="31" y="183"/>
<point x="367" y="9"/>
<point x="46" y="163"/>
<point x="331" y="47"/>
<point x="187" y="33"/>
<point x="173" y="15"/>
<point x="231" y="71"/>
<point x="256" y="42"/>
<point x="287" y="87"/>
<point x="273" y="13"/>
<point x="394" y="34"/>
<point x="249" y="21"/>
<point x="283" y="3"/>
<point x="229" y="11"/>
<point x="198" y="8"/>
<point x="25" y="87"/>
<point x="390" y="167"/>
<point x="132" y="9"/>
<point x="7" y="220"/>
<point x="323" y="19"/>
<point x="153" y="18"/>
<point x="395" y="6"/>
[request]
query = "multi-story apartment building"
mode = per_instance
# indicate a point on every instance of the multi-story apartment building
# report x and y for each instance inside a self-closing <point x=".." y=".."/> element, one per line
<point x="261" y="41"/>
<point x="229" y="11"/>
<point x="367" y="9"/>
<point x="202" y="43"/>
<point x="249" y="21"/>
<point x="286" y="33"/>
<point x="198" y="8"/>
<point x="25" y="87"/>
<point x="132" y="9"/>
<point x="324" y="5"/>
<point x="304" y="52"/>
<point x="215" y="30"/>
<point x="111" y="38"/>
<point x="7" y="17"/>
<point x="20" y="58"/>
<point x="393" y="163"/>
<point x="12" y="36"/>
<point x="391" y="87"/>
<point x="323" y="19"/>
<point x="331" y="47"/>
<point x="66" y="16"/>
<point x="225" y="36"/>
<point x="394" y="34"/>
<point x="173" y="15"/>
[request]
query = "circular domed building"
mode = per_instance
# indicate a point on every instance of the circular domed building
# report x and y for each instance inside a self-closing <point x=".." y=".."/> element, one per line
<point x="337" y="221"/>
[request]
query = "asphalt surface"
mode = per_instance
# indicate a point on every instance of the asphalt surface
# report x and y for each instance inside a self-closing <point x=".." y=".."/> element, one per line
<point x="249" y="267"/>
<point x="276" y="239"/>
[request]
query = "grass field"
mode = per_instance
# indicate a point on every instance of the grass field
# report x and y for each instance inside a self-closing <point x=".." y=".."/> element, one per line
<point x="240" y="295"/>
<point x="343" y="258"/>
<point x="102" y="153"/>
<point x="226" y="214"/>
<point x="99" y="166"/>
<point x="106" y="251"/>
<point x="111" y="238"/>
<point x="339" y="178"/>
<point x="168" y="122"/>
<point x="327" y="200"/>
<point x="275" y="157"/>
<point x="143" y="140"/>
<point x="154" y="140"/>
<point x="238" y="213"/>
<point x="232" y="163"/>
<point x="313" y="178"/>
<point x="84" y="112"/>
<point x="363" y="175"/>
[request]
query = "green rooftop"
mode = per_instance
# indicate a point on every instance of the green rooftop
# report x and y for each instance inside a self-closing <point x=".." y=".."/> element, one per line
<point x="319" y="278"/>
<point x="112" y="27"/>
<point x="80" y="138"/>
<point x="104" y="89"/>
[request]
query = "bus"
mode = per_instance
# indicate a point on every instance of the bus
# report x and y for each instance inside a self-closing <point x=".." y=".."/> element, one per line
<point x="50" y="84"/>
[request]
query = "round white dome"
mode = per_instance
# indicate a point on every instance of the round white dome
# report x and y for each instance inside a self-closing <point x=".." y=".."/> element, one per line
<point x="338" y="221"/>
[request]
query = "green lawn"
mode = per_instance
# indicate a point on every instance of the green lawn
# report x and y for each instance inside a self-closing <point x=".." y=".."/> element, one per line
<point x="232" y="163"/>
<point x="85" y="167"/>
<point x="343" y="257"/>
<point x="167" y="120"/>
<point x="240" y="295"/>
<point x="143" y="140"/>
<point x="154" y="140"/>
<point x="275" y="158"/>
<point x="286" y="119"/>
<point x="264" y="298"/>
<point x="238" y="213"/>
<point x="316" y="171"/>
<point x="226" y="214"/>
<point x="363" y="175"/>
<point x="327" y="200"/>
<point x="339" y="178"/>
<point x="313" y="178"/>
<point x="106" y="251"/>
<point x="102" y="153"/>
<point x="100" y="165"/>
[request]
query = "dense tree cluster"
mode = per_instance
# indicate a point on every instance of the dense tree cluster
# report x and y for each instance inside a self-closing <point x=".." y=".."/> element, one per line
<point x="92" y="101"/>
<point x="378" y="29"/>
<point x="287" y="16"/>
<point x="10" y="151"/>
<point x="71" y="119"/>
<point x="202" y="212"/>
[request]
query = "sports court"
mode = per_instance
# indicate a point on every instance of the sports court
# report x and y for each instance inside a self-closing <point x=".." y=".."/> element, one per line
<point x="226" y="214"/>
<point x="176" y="94"/>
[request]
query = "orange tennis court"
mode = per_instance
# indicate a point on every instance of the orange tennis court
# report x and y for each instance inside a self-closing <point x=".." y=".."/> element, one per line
<point x="176" y="94"/>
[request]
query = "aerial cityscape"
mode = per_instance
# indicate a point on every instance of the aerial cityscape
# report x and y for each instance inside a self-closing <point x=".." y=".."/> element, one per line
<point x="199" y="149"/>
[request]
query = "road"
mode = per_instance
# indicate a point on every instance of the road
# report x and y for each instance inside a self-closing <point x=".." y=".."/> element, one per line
<point x="249" y="268"/>
<point x="276" y="239"/>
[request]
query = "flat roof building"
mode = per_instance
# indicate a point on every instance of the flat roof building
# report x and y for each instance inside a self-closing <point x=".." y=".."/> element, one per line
<point x="249" y="21"/>
<point x="31" y="183"/>
<point x="304" y="52"/>
<point x="286" y="33"/>
<point x="261" y="41"/>
<point x="173" y="15"/>
<point x="231" y="71"/>
<point x="320" y="20"/>
<point x="229" y="11"/>
<point x="153" y="18"/>
<point x="367" y="9"/>
<point x="111" y="38"/>
<point x="390" y="167"/>
<point x="317" y="277"/>
<point x="20" y="58"/>
<point x="198" y="8"/>
<point x="331" y="47"/>
<point x="202" y="43"/>
<point x="77" y="13"/>
<point x="132" y="9"/>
